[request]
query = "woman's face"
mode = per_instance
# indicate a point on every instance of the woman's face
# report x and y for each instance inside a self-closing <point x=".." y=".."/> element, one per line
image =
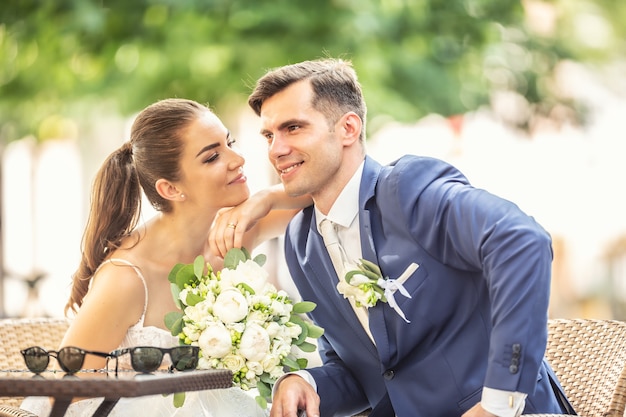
<point x="211" y="168"/>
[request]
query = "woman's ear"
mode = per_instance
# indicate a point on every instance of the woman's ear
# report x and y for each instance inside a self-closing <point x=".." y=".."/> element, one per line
<point x="168" y="191"/>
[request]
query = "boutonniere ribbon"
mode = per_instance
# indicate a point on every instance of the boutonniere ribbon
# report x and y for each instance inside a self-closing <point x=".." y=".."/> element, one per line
<point x="366" y="285"/>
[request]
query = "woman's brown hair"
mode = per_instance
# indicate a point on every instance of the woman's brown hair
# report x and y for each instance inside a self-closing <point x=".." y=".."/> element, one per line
<point x="153" y="152"/>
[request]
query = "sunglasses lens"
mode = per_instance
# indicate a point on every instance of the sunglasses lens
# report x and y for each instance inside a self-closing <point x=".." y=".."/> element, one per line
<point x="71" y="359"/>
<point x="146" y="359"/>
<point x="36" y="359"/>
<point x="185" y="357"/>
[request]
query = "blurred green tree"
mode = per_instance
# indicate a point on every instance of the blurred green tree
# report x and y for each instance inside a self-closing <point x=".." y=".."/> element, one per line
<point x="58" y="57"/>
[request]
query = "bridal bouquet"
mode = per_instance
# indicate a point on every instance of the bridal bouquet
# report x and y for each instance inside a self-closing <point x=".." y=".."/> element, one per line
<point x="240" y="321"/>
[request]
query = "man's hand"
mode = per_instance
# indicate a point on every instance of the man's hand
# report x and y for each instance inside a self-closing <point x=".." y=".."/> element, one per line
<point x="292" y="394"/>
<point x="478" y="411"/>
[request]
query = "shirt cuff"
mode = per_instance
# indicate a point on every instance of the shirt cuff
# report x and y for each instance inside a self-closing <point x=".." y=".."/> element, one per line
<point x="503" y="403"/>
<point x="302" y="373"/>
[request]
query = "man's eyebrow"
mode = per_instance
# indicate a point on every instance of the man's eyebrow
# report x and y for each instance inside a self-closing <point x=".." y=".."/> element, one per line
<point x="286" y="124"/>
<point x="213" y="145"/>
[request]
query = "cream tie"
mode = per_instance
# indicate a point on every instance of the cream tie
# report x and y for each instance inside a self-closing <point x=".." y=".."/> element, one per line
<point x="336" y="252"/>
<point x="339" y="258"/>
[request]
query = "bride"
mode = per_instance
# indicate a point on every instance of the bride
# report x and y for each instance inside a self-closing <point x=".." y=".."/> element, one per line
<point x="183" y="158"/>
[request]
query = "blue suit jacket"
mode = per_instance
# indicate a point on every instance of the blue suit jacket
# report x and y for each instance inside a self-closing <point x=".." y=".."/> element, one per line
<point x="479" y="301"/>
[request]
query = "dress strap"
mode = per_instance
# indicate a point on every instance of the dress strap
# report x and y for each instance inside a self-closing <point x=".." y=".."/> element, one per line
<point x="143" y="280"/>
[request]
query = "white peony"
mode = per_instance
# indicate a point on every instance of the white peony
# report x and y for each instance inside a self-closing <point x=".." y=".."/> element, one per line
<point x="231" y="306"/>
<point x="215" y="341"/>
<point x="249" y="272"/>
<point x="255" y="342"/>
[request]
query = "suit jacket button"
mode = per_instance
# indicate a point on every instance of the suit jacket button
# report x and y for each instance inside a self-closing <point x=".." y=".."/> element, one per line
<point x="513" y="369"/>
<point x="388" y="375"/>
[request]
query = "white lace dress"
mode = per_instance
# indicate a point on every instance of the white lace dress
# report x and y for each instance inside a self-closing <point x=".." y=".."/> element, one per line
<point x="231" y="402"/>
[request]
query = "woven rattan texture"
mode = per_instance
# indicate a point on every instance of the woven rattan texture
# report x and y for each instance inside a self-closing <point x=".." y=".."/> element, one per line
<point x="7" y="411"/>
<point x="17" y="334"/>
<point x="589" y="357"/>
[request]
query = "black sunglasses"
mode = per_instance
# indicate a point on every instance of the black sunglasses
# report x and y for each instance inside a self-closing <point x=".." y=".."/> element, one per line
<point x="70" y="358"/>
<point x="147" y="359"/>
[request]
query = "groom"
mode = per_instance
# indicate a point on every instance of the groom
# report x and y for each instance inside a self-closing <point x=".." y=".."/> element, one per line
<point x="462" y="330"/>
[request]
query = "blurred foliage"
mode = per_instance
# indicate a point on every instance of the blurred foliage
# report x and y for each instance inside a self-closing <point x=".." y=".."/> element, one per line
<point x="60" y="58"/>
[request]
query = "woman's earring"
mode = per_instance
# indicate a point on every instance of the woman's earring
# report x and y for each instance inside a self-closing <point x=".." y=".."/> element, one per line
<point x="182" y="196"/>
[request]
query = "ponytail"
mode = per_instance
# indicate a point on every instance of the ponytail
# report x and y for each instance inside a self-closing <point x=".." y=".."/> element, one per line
<point x="113" y="214"/>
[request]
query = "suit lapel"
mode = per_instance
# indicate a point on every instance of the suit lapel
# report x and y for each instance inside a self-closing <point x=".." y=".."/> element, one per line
<point x="367" y="211"/>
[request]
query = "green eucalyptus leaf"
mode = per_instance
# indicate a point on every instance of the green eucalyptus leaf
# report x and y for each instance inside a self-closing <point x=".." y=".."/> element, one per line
<point x="314" y="331"/>
<point x="291" y="363"/>
<point x="302" y="362"/>
<point x="303" y="334"/>
<point x="172" y="275"/>
<point x="371" y="266"/>
<point x="262" y="402"/>
<point x="246" y="253"/>
<point x="176" y="296"/>
<point x="265" y="390"/>
<point x="351" y="274"/>
<point x="303" y="307"/>
<point x="267" y="379"/>
<point x="234" y="256"/>
<point x="174" y="322"/>
<point x="307" y="347"/>
<point x="193" y="299"/>
<point x="297" y="320"/>
<point x="260" y="259"/>
<point x="185" y="275"/>
<point x="198" y="266"/>
<point x="179" y="399"/>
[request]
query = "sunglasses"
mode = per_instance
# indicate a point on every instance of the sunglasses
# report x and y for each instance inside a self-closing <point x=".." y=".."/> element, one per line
<point x="148" y="359"/>
<point x="70" y="358"/>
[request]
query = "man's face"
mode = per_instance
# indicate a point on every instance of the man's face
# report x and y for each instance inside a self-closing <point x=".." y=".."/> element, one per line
<point x="302" y="147"/>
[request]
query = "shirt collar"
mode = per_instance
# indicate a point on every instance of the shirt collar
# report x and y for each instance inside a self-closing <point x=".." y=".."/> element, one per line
<point x="346" y="206"/>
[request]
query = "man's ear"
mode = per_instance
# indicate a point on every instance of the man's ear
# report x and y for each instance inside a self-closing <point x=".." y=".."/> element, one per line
<point x="168" y="191"/>
<point x="350" y="125"/>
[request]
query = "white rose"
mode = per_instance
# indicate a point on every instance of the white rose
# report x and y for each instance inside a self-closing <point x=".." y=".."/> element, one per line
<point x="258" y="316"/>
<point x="255" y="342"/>
<point x="254" y="368"/>
<point x="358" y="279"/>
<point x="249" y="273"/>
<point x="199" y="313"/>
<point x="233" y="362"/>
<point x="231" y="306"/>
<point x="215" y="341"/>
<point x="348" y="290"/>
<point x="278" y="308"/>
<point x="293" y="330"/>
<point x="269" y="362"/>
<point x="281" y="347"/>
<point x="209" y="363"/>
<point x="273" y="329"/>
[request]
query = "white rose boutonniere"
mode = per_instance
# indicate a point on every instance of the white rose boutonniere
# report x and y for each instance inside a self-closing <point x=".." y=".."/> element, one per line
<point x="366" y="285"/>
<point x="240" y="321"/>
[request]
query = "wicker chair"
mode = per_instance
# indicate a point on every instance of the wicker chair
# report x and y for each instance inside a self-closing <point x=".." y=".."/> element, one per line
<point x="589" y="357"/>
<point x="17" y="334"/>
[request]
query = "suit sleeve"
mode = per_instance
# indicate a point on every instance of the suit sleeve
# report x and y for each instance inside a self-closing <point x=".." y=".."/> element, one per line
<point x="471" y="229"/>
